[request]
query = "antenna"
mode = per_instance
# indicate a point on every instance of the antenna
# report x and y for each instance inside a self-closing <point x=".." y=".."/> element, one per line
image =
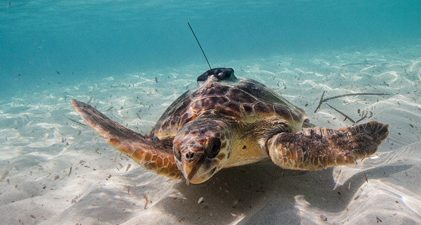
<point x="200" y="46"/>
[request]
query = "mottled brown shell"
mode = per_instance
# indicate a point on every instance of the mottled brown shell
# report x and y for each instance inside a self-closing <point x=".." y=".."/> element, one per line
<point x="245" y="101"/>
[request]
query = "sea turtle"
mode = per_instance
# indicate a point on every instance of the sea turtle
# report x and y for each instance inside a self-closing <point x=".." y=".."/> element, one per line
<point x="230" y="122"/>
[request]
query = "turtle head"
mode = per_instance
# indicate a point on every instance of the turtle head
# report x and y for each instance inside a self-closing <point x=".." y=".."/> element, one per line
<point x="201" y="149"/>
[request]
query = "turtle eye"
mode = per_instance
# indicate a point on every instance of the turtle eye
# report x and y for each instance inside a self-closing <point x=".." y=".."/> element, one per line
<point x="213" y="149"/>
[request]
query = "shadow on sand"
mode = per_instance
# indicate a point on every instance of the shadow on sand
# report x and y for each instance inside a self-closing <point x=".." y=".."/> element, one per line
<point x="261" y="194"/>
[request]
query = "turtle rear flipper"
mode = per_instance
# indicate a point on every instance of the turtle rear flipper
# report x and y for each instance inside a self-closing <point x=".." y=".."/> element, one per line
<point x="319" y="148"/>
<point x="154" y="155"/>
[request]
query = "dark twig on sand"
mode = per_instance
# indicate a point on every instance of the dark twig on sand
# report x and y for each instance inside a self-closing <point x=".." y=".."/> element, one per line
<point x="343" y="114"/>
<point x="344" y="95"/>
<point x="363" y="115"/>
<point x="361" y="119"/>
<point x="353" y="94"/>
<point x="320" y="102"/>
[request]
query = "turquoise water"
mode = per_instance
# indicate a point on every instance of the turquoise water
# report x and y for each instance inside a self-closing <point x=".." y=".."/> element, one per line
<point x="45" y="43"/>
<point x="132" y="59"/>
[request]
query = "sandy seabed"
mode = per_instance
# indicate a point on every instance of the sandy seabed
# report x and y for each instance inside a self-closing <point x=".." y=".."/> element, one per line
<point x="55" y="171"/>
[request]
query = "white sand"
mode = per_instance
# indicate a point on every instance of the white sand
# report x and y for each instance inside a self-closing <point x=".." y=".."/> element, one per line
<point x="55" y="171"/>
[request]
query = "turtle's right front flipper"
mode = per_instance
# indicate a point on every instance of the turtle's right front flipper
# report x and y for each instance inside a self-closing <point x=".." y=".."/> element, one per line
<point x="154" y="156"/>
<point x="319" y="148"/>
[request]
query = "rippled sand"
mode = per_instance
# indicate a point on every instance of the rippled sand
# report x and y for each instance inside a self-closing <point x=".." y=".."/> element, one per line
<point x="56" y="171"/>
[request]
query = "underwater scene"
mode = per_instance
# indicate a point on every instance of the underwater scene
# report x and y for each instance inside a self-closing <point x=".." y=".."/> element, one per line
<point x="344" y="63"/>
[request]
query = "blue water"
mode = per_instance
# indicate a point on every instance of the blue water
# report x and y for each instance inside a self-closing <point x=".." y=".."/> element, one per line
<point x="53" y="43"/>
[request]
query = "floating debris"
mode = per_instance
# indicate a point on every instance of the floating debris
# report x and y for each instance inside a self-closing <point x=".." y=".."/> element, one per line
<point x="89" y="101"/>
<point x="200" y="201"/>
<point x="75" y="199"/>
<point x="364" y="116"/>
<point x="128" y="167"/>
<point x="322" y="99"/>
<point x="75" y="121"/>
<point x="235" y="203"/>
<point x="146" y="201"/>
<point x="343" y="114"/>
<point x="365" y="63"/>
<point x="138" y="116"/>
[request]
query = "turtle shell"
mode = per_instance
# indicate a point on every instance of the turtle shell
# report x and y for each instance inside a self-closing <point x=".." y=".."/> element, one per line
<point x="242" y="101"/>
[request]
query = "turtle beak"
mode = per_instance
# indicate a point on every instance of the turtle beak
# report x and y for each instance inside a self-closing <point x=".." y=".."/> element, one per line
<point x="190" y="168"/>
<point x="189" y="171"/>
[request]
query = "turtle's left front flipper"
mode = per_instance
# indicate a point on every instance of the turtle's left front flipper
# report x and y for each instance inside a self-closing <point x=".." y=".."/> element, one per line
<point x="319" y="148"/>
<point x="153" y="155"/>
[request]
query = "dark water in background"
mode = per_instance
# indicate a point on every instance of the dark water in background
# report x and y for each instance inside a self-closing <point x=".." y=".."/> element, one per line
<point x="52" y="43"/>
